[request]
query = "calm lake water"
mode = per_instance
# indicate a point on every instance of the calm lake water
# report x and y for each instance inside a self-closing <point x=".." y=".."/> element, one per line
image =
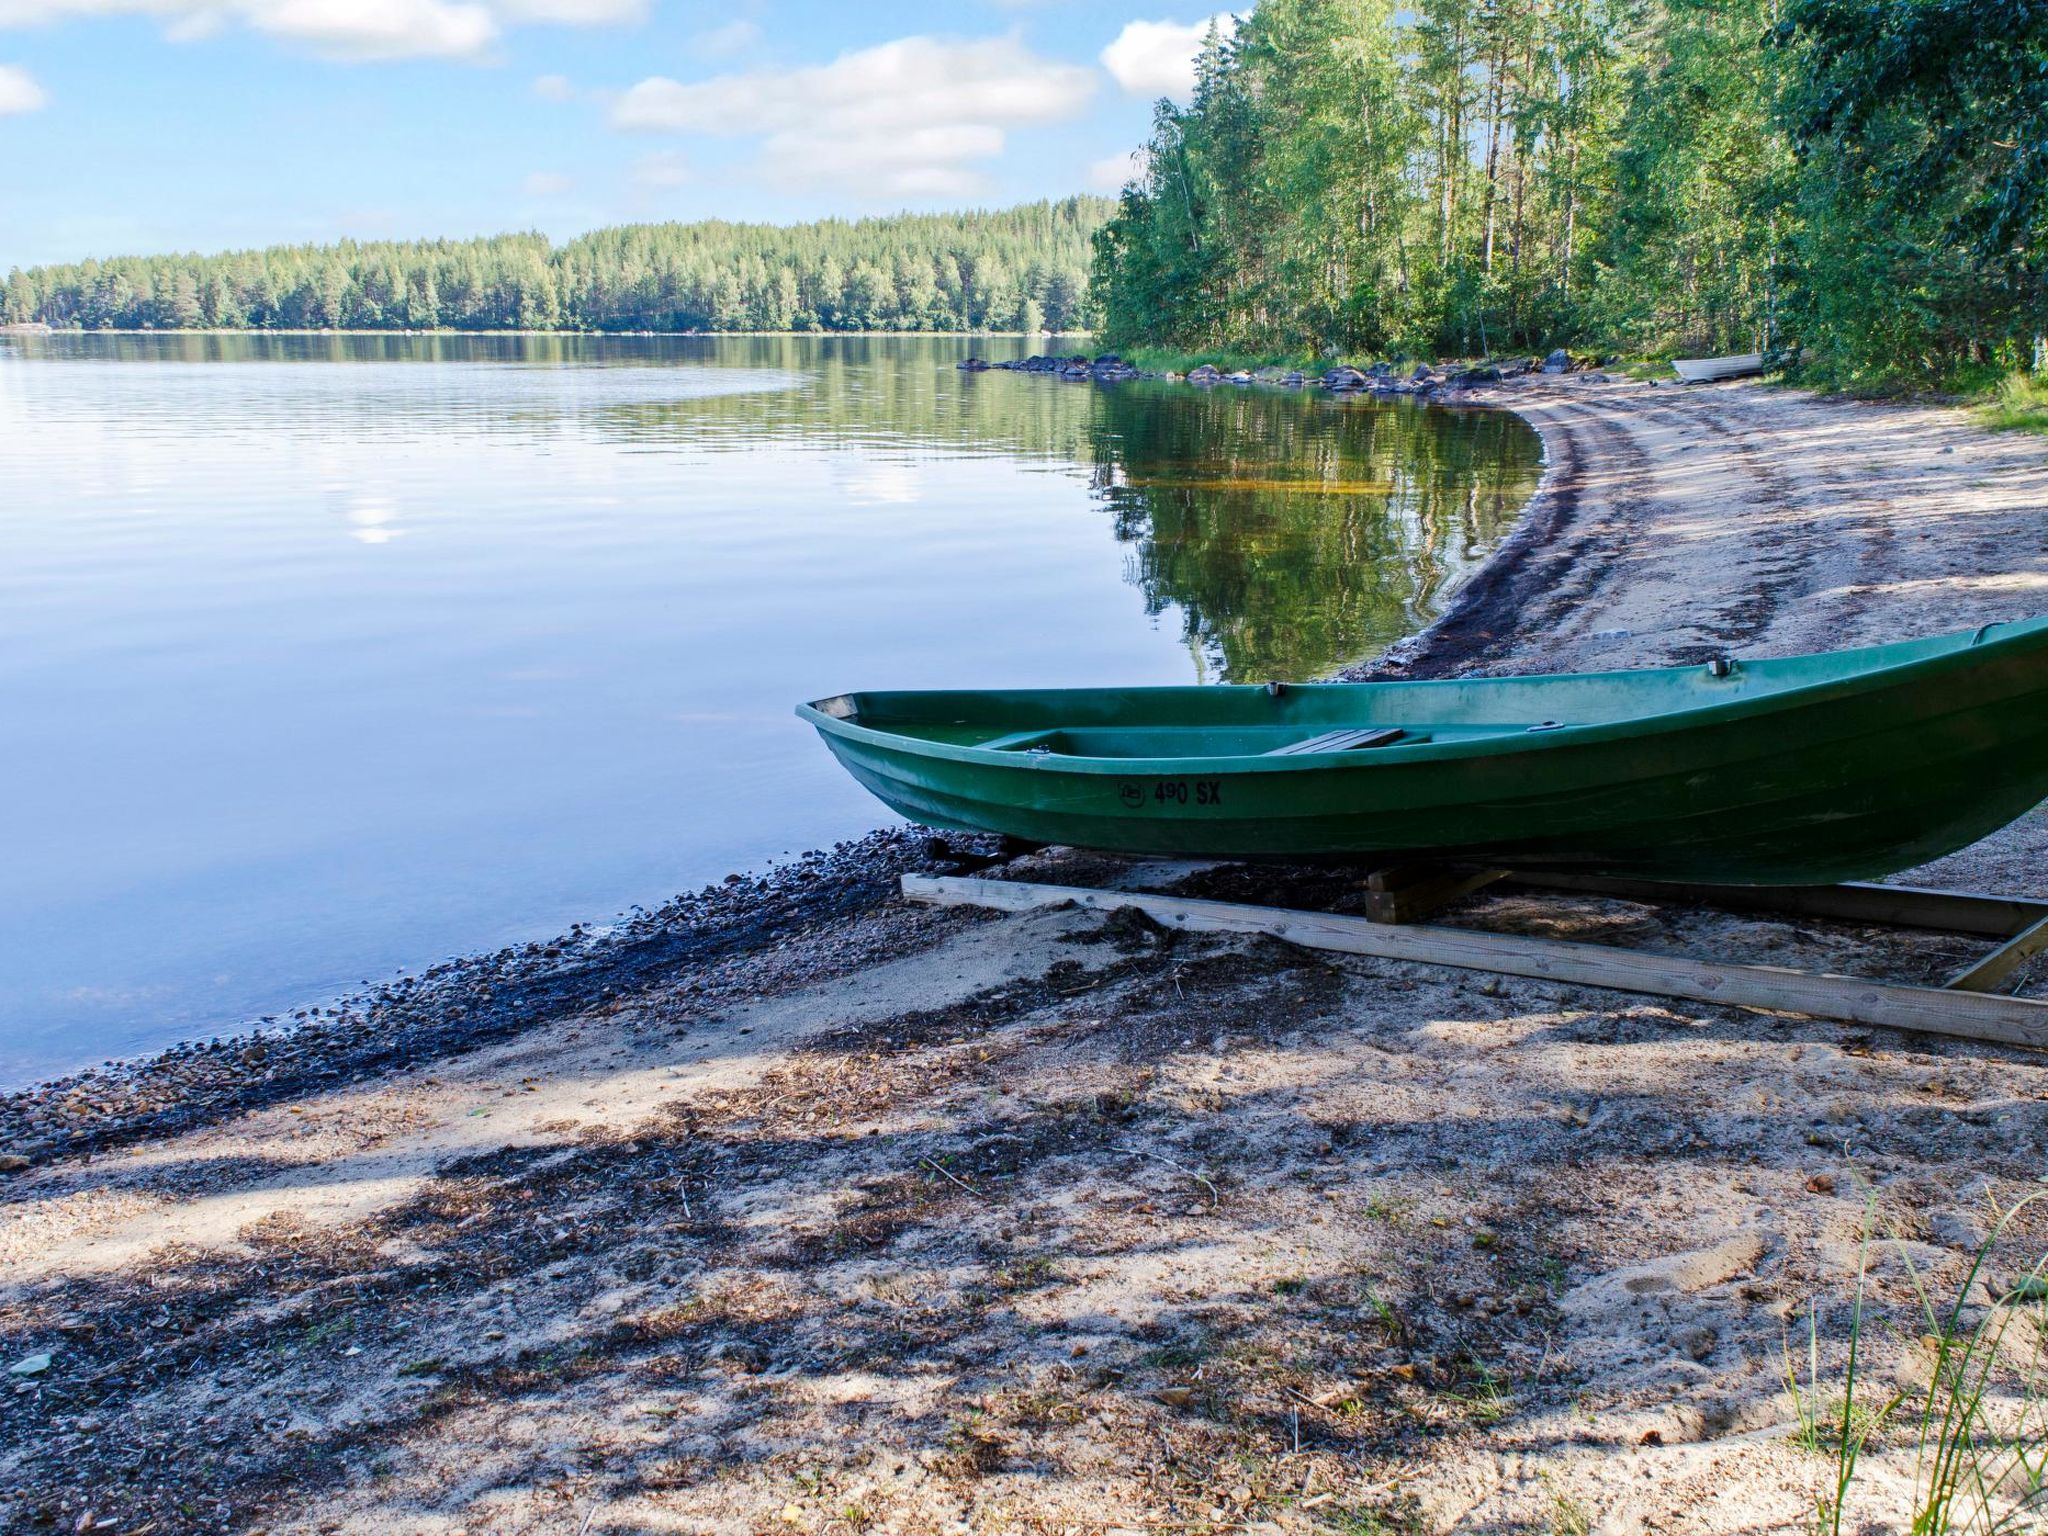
<point x="327" y="657"/>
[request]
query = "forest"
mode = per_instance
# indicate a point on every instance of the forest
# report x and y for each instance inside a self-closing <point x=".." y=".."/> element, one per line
<point x="1866" y="182"/>
<point x="1020" y="268"/>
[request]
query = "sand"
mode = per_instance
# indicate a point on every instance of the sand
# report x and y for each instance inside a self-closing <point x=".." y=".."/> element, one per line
<point x="875" y="1218"/>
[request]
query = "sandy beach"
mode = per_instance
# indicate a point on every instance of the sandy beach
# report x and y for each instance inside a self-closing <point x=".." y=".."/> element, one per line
<point x="789" y="1207"/>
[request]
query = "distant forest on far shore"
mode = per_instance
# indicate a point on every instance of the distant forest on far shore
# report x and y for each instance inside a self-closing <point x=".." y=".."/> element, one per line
<point x="1023" y="268"/>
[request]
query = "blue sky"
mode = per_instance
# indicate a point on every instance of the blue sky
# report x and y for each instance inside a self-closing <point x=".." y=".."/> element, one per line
<point x="135" y="126"/>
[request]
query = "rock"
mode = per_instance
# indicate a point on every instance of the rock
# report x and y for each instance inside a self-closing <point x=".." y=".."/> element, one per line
<point x="1465" y="378"/>
<point x="30" y="1365"/>
<point x="973" y="365"/>
<point x="1174" y="1397"/>
<point x="1342" y="377"/>
<point x="1293" y="380"/>
<point x="1109" y="360"/>
<point x="1559" y="361"/>
<point x="1422" y="372"/>
<point x="1205" y="373"/>
<point x="1240" y="377"/>
<point x="13" y="1162"/>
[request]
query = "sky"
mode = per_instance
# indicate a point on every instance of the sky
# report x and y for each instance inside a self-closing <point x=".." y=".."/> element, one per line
<point x="132" y="127"/>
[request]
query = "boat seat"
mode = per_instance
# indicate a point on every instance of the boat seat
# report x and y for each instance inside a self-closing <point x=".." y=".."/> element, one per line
<point x="1353" y="740"/>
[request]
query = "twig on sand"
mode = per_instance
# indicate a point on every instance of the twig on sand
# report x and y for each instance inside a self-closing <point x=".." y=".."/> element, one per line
<point x="1214" y="1198"/>
<point x="942" y="1173"/>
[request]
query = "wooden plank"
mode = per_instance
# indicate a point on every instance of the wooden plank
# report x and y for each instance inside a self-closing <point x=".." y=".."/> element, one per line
<point x="1898" y="906"/>
<point x="1353" y="740"/>
<point x="1970" y="1015"/>
<point x="2002" y="961"/>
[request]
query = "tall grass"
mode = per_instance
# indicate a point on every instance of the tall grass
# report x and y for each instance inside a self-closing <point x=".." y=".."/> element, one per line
<point x="2017" y="403"/>
<point x="1978" y="1425"/>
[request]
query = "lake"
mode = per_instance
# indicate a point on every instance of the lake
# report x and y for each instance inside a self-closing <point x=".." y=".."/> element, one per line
<point x="324" y="658"/>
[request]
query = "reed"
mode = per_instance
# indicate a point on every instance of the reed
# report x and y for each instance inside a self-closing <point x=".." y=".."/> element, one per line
<point x="1979" y="1423"/>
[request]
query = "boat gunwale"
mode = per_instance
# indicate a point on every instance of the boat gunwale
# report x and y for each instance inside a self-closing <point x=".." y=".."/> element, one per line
<point x="2026" y="634"/>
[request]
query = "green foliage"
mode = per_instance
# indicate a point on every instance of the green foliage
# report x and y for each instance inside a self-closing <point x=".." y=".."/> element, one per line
<point x="1021" y="268"/>
<point x="1692" y="248"/>
<point x="1922" y="130"/>
<point x="1423" y="178"/>
<point x="1652" y="176"/>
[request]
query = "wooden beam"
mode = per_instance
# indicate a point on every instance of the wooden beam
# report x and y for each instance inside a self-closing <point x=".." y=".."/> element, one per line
<point x="1410" y="892"/>
<point x="1969" y="1015"/>
<point x="1897" y="906"/>
<point x="2002" y="961"/>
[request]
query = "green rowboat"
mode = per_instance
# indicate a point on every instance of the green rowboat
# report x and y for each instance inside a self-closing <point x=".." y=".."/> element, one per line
<point x="1805" y="770"/>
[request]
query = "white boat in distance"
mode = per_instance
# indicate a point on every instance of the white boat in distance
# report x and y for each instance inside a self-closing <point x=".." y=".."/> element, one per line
<point x="1704" y="370"/>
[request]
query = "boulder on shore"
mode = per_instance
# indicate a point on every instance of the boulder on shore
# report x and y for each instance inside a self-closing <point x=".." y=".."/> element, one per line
<point x="1559" y="361"/>
<point x="973" y="365"/>
<point x="1465" y="378"/>
<point x="1205" y="373"/>
<point x="1343" y="377"/>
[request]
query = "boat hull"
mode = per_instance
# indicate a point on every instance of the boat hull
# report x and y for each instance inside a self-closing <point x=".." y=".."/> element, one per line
<point x="1854" y="777"/>
<point x="1704" y="370"/>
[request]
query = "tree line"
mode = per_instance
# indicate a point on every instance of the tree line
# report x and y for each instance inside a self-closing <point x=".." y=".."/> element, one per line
<point x="1452" y="177"/>
<point x="1023" y="268"/>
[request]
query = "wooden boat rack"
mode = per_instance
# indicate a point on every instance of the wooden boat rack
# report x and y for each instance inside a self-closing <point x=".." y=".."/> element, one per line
<point x="1966" y="1005"/>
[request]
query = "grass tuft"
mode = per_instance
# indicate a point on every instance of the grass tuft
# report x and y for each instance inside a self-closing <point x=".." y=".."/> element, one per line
<point x="1979" y="1423"/>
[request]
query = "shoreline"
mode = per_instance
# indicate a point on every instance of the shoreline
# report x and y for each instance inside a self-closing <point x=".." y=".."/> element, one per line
<point x="791" y="1200"/>
<point x="346" y="1037"/>
<point x="331" y="1040"/>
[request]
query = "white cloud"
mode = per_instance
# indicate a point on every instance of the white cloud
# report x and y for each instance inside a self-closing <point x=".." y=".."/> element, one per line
<point x="547" y="184"/>
<point x="571" y="13"/>
<point x="19" y="92"/>
<point x="723" y="42"/>
<point x="344" y="29"/>
<point x="1157" y="58"/>
<point x="663" y="169"/>
<point x="554" y="88"/>
<point x="911" y="118"/>
<point x="378" y="29"/>
<point x="1110" y="173"/>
